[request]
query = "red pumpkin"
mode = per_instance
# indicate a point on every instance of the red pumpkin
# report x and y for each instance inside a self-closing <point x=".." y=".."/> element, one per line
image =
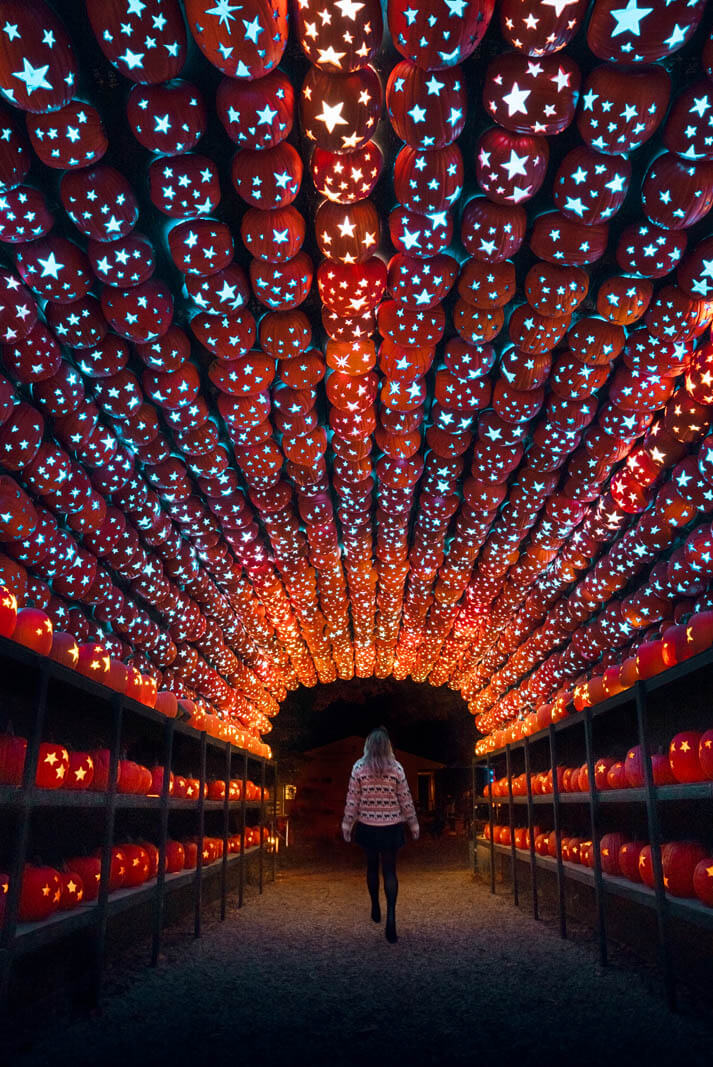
<point x="347" y="233"/>
<point x="683" y="757"/>
<point x="38" y="69"/>
<point x="677" y="194"/>
<point x="33" y="629"/>
<point x="191" y="854"/>
<point x="70" y="138"/>
<point x="153" y="856"/>
<point x="519" y="94"/>
<point x="80" y="773"/>
<point x="72" y="890"/>
<point x="40" y="893"/>
<point x="427" y="110"/>
<point x="275" y="236"/>
<point x="262" y="43"/>
<point x="117" y="869"/>
<point x="149" y="693"/>
<point x="201" y="246"/>
<point x="129" y="779"/>
<point x="167" y="119"/>
<point x="88" y="870"/>
<point x="649" y="659"/>
<point x="184" y="186"/>
<point x="52" y="766"/>
<point x="703" y="881"/>
<point x="122" y="34"/>
<point x="609" y="849"/>
<point x="12" y="759"/>
<point x="175" y="857"/>
<point x="589" y="187"/>
<point x="705" y="753"/>
<point x="510" y="167"/>
<point x="94" y="662"/>
<point x="14" y="154"/>
<point x="25" y="215"/>
<point x="679" y="860"/>
<point x="562" y="240"/>
<point x="256" y="114"/>
<point x="339" y="112"/>
<point x="431" y="37"/>
<point x="346" y="179"/>
<point x="101" y="759"/>
<point x="347" y="40"/>
<point x="646" y="867"/>
<point x="552" y="29"/>
<point x="630" y="35"/>
<point x="492" y="232"/>
<point x="193" y="788"/>
<point x="629" y="854"/>
<point x="180" y="786"/>
<point x="428" y="180"/>
<point x="100" y="202"/>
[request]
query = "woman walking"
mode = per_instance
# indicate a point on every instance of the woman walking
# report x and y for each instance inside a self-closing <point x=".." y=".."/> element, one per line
<point x="378" y="803"/>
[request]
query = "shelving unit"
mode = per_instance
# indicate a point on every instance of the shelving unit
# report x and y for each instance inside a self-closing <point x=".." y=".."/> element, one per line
<point x="644" y="715"/>
<point x="45" y="700"/>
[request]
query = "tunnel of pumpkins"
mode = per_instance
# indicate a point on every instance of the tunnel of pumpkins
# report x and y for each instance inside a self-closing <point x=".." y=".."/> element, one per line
<point x="347" y="341"/>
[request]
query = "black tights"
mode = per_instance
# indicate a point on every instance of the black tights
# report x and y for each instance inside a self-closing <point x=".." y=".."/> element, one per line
<point x="388" y="869"/>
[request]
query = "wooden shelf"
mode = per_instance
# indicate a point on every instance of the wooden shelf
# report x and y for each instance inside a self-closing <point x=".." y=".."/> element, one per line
<point x="30" y="936"/>
<point x="681" y="792"/>
<point x="682" y="908"/>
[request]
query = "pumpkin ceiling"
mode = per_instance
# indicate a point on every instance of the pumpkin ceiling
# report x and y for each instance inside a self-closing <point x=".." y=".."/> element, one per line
<point x="346" y="341"/>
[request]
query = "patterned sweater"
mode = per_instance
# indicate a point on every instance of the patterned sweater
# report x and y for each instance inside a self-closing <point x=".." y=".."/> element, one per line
<point x="378" y="800"/>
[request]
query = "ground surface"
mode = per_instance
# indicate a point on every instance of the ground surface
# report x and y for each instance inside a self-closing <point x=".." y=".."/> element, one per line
<point x="301" y="975"/>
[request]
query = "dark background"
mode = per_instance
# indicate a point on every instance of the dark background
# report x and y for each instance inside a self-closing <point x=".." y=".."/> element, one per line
<point x="432" y="722"/>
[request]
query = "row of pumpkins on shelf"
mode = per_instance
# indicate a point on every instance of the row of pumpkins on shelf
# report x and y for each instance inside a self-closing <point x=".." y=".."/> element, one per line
<point x="33" y="629"/>
<point x="689" y="759"/>
<point x="687" y="865"/>
<point x="59" y="768"/>
<point x="678" y="642"/>
<point x="46" y="890"/>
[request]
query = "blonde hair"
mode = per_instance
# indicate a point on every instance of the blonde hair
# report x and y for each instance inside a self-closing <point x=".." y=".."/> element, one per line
<point x="378" y="753"/>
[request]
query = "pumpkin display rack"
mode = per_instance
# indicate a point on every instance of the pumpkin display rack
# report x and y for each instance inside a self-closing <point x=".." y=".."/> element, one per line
<point x="658" y="805"/>
<point x="44" y="699"/>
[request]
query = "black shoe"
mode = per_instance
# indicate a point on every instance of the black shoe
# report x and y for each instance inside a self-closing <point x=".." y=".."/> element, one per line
<point x="375" y="911"/>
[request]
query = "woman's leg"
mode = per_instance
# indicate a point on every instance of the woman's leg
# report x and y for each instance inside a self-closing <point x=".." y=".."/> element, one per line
<point x="391" y="888"/>
<point x="372" y="882"/>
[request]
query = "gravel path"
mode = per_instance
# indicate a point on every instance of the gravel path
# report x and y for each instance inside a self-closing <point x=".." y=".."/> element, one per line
<point x="302" y="976"/>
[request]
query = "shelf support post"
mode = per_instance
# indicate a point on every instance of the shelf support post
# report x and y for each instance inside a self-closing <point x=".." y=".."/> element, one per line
<point x="261" y="855"/>
<point x="159" y="899"/>
<point x="599" y="890"/>
<point x="531" y="826"/>
<point x="490" y="823"/>
<point x="117" y="704"/>
<point x="274" y="820"/>
<point x="241" y="871"/>
<point x="652" y="815"/>
<point x="558" y="832"/>
<point x="511" y="813"/>
<point x="198" y="895"/>
<point x="226" y="827"/>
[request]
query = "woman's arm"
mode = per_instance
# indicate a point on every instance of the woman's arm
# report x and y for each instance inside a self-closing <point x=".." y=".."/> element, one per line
<point x="351" y="808"/>
<point x="406" y="804"/>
